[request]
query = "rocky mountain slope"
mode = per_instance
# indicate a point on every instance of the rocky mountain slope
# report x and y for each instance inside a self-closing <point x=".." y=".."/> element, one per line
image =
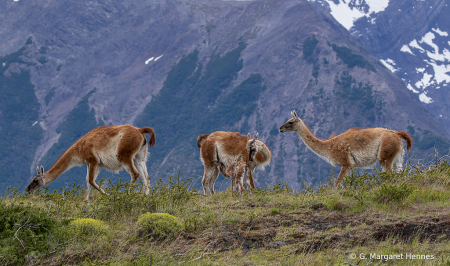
<point x="410" y="38"/>
<point x="193" y="67"/>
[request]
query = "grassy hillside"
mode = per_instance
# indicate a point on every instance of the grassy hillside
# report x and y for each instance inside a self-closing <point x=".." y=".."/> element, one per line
<point x="405" y="213"/>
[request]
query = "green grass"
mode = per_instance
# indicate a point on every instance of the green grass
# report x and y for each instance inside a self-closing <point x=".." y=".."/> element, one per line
<point x="381" y="213"/>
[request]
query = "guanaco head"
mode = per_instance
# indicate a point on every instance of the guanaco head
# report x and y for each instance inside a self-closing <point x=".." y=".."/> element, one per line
<point x="37" y="182"/>
<point x="251" y="147"/>
<point x="292" y="124"/>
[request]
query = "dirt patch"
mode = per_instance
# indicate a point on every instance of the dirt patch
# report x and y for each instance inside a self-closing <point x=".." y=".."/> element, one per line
<point x="318" y="244"/>
<point x="320" y="229"/>
<point x="429" y="228"/>
<point x="235" y="237"/>
<point x="317" y="206"/>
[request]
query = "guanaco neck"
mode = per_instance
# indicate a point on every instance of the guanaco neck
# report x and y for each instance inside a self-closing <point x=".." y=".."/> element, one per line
<point x="63" y="164"/>
<point x="315" y="144"/>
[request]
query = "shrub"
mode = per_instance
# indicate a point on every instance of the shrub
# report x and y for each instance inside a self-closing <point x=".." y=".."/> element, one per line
<point x="23" y="230"/>
<point x="336" y="204"/>
<point x="87" y="226"/>
<point x="393" y="193"/>
<point x="265" y="199"/>
<point x="274" y="211"/>
<point x="160" y="224"/>
<point x="192" y="222"/>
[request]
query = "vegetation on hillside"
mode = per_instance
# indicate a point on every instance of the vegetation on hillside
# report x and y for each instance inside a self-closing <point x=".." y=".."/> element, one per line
<point x="19" y="111"/>
<point x="406" y="212"/>
<point x="357" y="101"/>
<point x="351" y="59"/>
<point x="311" y="54"/>
<point x="49" y="95"/>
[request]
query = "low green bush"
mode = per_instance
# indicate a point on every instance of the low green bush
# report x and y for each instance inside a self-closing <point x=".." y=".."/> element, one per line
<point x="87" y="226"/>
<point x="159" y="224"/>
<point x="387" y="193"/>
<point x="24" y="229"/>
<point x="274" y="211"/>
<point x="335" y="204"/>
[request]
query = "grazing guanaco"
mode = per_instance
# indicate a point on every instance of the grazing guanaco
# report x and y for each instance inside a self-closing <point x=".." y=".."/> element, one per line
<point x="354" y="148"/>
<point x="111" y="147"/>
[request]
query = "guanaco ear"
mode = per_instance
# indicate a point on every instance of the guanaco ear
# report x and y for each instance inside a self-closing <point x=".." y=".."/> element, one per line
<point x="248" y="136"/>
<point x="256" y="136"/>
<point x="37" y="170"/>
<point x="294" y="114"/>
<point x="42" y="170"/>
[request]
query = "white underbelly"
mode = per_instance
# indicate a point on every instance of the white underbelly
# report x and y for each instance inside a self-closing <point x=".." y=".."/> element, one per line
<point x="363" y="160"/>
<point x="226" y="158"/>
<point x="108" y="155"/>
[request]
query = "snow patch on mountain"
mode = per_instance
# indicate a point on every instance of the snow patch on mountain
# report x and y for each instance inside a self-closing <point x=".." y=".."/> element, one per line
<point x="421" y="70"/>
<point x="440" y="72"/>
<point x="425" y="81"/>
<point x="390" y="64"/>
<point x="411" y="88"/>
<point x="442" y="33"/>
<point x="414" y="44"/>
<point x="435" y="55"/>
<point x="405" y="48"/>
<point x="436" y="70"/>
<point x="151" y="59"/>
<point x="347" y="12"/>
<point x="424" y="98"/>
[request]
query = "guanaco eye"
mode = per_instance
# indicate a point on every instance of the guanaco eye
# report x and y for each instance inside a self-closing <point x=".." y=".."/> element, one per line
<point x="290" y="123"/>
<point x="35" y="181"/>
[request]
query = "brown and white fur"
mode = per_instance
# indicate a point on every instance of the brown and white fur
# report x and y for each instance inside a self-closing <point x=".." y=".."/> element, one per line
<point x="239" y="171"/>
<point x="354" y="148"/>
<point x="111" y="147"/>
<point x="226" y="148"/>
